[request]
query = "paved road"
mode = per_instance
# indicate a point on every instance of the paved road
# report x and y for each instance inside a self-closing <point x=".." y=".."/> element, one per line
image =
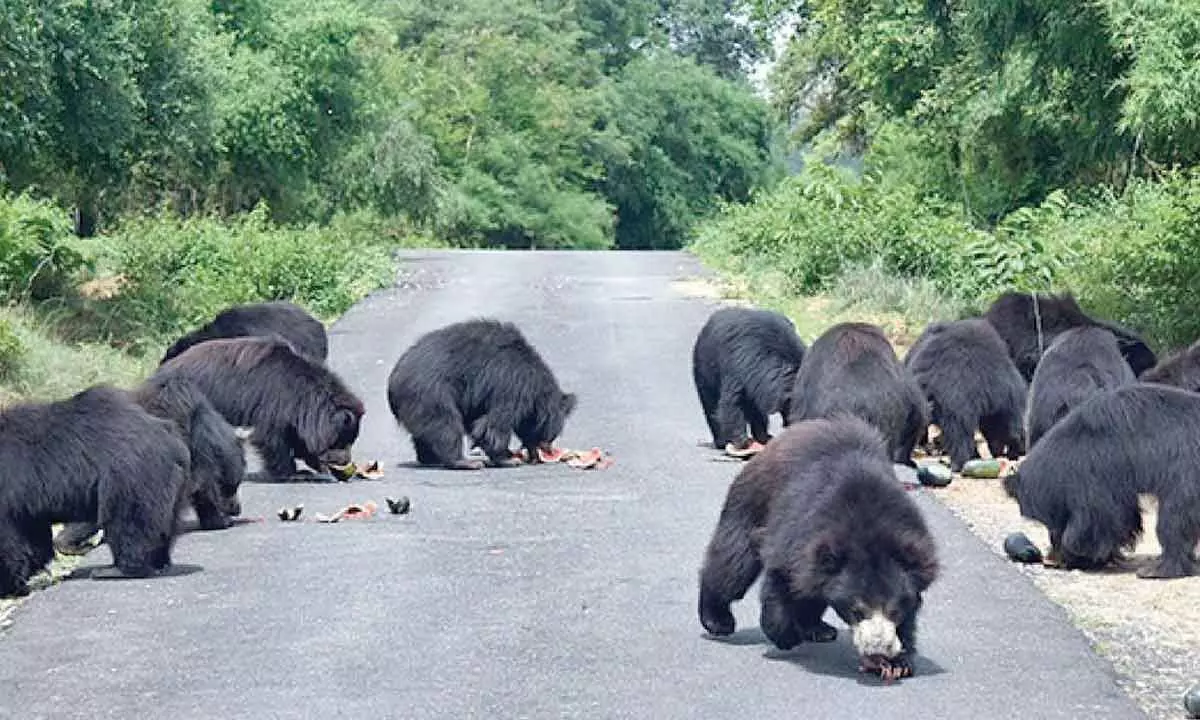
<point x="530" y="593"/>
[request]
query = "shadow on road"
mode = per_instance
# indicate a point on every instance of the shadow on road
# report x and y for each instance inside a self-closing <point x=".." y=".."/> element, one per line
<point x="104" y="572"/>
<point x="834" y="659"/>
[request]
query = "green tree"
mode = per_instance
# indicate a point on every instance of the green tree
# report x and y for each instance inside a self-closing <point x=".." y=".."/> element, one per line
<point x="679" y="140"/>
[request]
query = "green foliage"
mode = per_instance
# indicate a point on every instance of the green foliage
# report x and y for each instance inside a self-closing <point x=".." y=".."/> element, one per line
<point x="1162" y="86"/>
<point x="711" y="33"/>
<point x="816" y="225"/>
<point x="38" y="254"/>
<point x="1017" y="98"/>
<point x="47" y="368"/>
<point x="1135" y="257"/>
<point x="1128" y="257"/>
<point x="12" y="350"/>
<point x="179" y="273"/>
<point x="480" y="120"/>
<point x="678" y="140"/>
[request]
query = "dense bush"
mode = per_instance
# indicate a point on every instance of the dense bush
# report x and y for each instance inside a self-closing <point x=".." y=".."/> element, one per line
<point x="1130" y="257"/>
<point x="815" y="225"/>
<point x="38" y="256"/>
<point x="179" y="273"/>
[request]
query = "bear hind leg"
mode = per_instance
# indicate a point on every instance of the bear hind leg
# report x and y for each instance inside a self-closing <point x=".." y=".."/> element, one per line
<point x="1178" y="531"/>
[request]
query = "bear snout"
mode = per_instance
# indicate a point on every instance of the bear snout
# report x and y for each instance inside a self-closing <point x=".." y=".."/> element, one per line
<point x="876" y="636"/>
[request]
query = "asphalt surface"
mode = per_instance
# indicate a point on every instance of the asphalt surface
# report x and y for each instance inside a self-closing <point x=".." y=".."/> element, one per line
<point x="534" y="592"/>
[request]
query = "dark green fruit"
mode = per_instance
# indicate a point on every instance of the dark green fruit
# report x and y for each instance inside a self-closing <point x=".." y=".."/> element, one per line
<point x="934" y="475"/>
<point x="1020" y="548"/>
<point x="983" y="468"/>
<point x="1191" y="701"/>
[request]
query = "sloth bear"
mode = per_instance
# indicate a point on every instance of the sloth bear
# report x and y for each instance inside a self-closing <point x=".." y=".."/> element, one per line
<point x="1018" y="317"/>
<point x="1181" y="370"/>
<point x="971" y="383"/>
<point x="480" y="378"/>
<point x="743" y="363"/>
<point x="296" y="407"/>
<point x="285" y="320"/>
<point x="820" y="515"/>
<point x="1083" y="479"/>
<point x="853" y="368"/>
<point x="218" y="462"/>
<point x="94" y="456"/>
<point x="1081" y="362"/>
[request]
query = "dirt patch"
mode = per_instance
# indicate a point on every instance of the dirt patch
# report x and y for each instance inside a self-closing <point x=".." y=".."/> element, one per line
<point x="1148" y="629"/>
<point x="708" y="288"/>
<point x="103" y="288"/>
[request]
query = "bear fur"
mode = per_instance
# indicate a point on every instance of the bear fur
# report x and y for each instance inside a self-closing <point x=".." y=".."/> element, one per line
<point x="853" y="368"/>
<point x="820" y="515"/>
<point x="94" y="457"/>
<point x="218" y="462"/>
<point x="1018" y="316"/>
<point x="744" y="363"/>
<point x="1181" y="370"/>
<point x="965" y="372"/>
<point x="286" y="321"/>
<point x="297" y="408"/>
<point x="1080" y="363"/>
<point x="1083" y="478"/>
<point x="480" y="378"/>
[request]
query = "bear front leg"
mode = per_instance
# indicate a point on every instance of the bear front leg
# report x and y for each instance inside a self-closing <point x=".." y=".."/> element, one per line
<point x="730" y="418"/>
<point x="15" y="553"/>
<point x="730" y="568"/>
<point x="208" y="511"/>
<point x="491" y="437"/>
<point x="776" y="619"/>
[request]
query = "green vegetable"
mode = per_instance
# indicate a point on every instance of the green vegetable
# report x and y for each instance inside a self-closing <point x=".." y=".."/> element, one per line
<point x="1020" y="548"/>
<point x="983" y="468"/>
<point x="934" y="475"/>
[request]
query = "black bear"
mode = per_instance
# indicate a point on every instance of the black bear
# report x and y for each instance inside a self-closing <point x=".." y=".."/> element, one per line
<point x="971" y="383"/>
<point x="819" y="513"/>
<point x="480" y="378"/>
<point x="853" y="368"/>
<point x="96" y="456"/>
<point x="297" y="408"/>
<point x="218" y="462"/>
<point x="744" y="363"/>
<point x="1083" y="479"/>
<point x="1181" y="370"/>
<point x="284" y="320"/>
<point x="1028" y="324"/>
<point x="1081" y="362"/>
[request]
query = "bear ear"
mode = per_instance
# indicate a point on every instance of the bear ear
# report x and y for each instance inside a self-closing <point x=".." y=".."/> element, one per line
<point x="569" y="401"/>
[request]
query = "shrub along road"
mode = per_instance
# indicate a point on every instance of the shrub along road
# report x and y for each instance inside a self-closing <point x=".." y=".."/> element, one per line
<point x="530" y="592"/>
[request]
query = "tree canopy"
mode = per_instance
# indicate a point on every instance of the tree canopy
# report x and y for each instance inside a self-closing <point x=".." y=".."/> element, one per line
<point x="1015" y="98"/>
<point x="577" y="123"/>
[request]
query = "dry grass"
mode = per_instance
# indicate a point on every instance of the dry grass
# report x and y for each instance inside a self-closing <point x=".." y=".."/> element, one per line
<point x="1149" y="629"/>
